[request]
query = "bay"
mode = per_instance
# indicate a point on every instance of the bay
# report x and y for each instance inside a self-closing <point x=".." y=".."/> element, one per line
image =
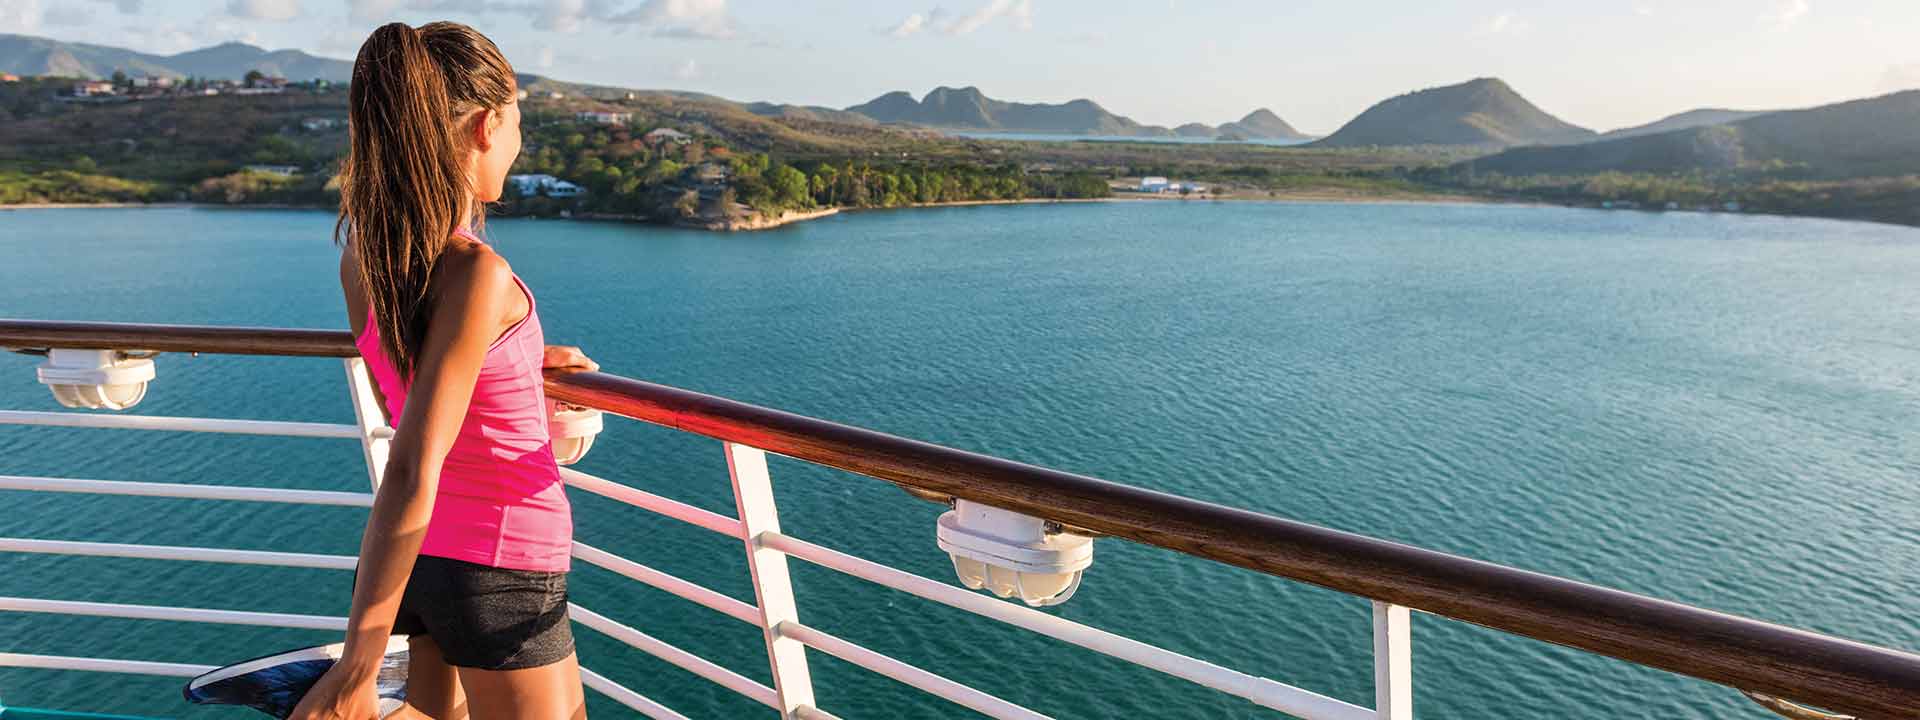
<point x="1715" y="409"/>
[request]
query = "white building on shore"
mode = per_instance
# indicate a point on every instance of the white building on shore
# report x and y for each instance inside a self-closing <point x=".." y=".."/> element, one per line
<point x="605" y="118"/>
<point x="543" y="184"/>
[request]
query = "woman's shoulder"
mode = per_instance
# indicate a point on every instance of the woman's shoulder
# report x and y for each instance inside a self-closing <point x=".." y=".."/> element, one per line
<point x="478" y="282"/>
<point x="472" y="269"/>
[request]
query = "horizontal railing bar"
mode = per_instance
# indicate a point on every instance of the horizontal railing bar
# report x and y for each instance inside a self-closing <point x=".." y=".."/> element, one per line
<point x="658" y="504"/>
<point x="183" y="490"/>
<point x="1261" y="691"/>
<point x="180" y="424"/>
<point x="179" y="614"/>
<point x="86" y="664"/>
<point x="621" y="694"/>
<point x="910" y="675"/>
<point x="176" y="338"/>
<point x="1825" y="671"/>
<point x="1836" y="674"/>
<point x="176" y="552"/>
<point x="677" y="657"/>
<point x="711" y="599"/>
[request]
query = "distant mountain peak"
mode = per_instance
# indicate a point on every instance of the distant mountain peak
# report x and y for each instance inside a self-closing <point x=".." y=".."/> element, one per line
<point x="971" y="109"/>
<point x="1482" y="112"/>
<point x="1262" y="124"/>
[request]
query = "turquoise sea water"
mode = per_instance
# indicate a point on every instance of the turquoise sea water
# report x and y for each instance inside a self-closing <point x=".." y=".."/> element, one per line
<point x="1709" y="408"/>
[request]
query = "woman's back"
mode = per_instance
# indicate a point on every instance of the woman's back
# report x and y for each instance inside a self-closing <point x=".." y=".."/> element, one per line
<point x="500" y="501"/>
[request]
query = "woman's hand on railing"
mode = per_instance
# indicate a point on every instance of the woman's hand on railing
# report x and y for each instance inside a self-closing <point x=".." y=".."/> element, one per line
<point x="567" y="356"/>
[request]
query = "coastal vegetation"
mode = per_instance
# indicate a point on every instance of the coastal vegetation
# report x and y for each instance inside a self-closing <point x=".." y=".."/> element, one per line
<point x="699" y="160"/>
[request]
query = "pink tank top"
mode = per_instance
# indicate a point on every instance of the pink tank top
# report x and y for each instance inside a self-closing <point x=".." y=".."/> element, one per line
<point x="500" y="500"/>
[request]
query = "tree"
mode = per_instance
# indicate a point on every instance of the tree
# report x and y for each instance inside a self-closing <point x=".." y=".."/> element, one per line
<point x="253" y="77"/>
<point x="789" y="187"/>
<point x="120" y="78"/>
<point x="688" y="204"/>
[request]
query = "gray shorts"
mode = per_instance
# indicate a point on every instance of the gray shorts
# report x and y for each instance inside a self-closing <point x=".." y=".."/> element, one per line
<point x="486" y="617"/>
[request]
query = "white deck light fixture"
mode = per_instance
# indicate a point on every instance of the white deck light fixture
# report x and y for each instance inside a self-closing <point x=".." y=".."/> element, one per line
<point x="96" y="379"/>
<point x="572" y="429"/>
<point x="1013" y="554"/>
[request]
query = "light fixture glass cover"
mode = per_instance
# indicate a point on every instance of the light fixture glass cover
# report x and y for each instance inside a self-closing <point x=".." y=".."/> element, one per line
<point x="572" y="429"/>
<point x="1013" y="555"/>
<point x="95" y="379"/>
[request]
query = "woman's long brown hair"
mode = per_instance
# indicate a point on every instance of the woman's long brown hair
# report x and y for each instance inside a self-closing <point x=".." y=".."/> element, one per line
<point x="403" y="186"/>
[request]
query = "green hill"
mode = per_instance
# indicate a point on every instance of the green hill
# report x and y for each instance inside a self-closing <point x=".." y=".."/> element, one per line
<point x="1875" y="137"/>
<point x="1484" y="112"/>
<point x="1262" y="124"/>
<point x="29" y="55"/>
<point x="1689" y="119"/>
<point x="969" y="109"/>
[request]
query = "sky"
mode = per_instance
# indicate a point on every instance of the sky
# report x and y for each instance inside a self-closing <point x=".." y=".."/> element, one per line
<point x="1602" y="64"/>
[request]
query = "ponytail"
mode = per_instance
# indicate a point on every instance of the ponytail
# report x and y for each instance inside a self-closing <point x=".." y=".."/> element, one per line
<point x="403" y="186"/>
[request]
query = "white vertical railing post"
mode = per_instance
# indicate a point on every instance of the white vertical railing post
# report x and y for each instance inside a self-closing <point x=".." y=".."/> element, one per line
<point x="772" y="587"/>
<point x="1392" y="662"/>
<point x="371" y="419"/>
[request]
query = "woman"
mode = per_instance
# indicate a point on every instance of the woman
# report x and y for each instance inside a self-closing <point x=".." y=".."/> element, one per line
<point x="466" y="548"/>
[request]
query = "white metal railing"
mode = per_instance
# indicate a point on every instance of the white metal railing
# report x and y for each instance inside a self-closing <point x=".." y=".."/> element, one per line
<point x="774" y="609"/>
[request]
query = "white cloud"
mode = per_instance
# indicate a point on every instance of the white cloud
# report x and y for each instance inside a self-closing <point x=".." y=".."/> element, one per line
<point x="1787" y="13"/>
<point x="1020" y="11"/>
<point x="704" y="19"/>
<point x="913" y="24"/>
<point x="544" y="59"/>
<point x="565" y="16"/>
<point x="362" y="11"/>
<point x="20" y="16"/>
<point x="1505" y="23"/>
<point x="688" y="70"/>
<point x="1901" y="77"/>
<point x="366" y="11"/>
<point x="1643" y="10"/>
<point x="279" y="10"/>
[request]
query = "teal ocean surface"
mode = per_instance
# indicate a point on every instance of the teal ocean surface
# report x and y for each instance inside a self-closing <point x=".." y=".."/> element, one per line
<point x="1722" y="410"/>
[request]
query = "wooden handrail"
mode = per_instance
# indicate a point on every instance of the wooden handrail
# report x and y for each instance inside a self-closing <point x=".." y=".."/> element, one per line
<point x="1820" y="670"/>
<point x="176" y="338"/>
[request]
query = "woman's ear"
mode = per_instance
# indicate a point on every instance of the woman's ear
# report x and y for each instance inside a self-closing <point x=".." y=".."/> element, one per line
<point x="483" y="123"/>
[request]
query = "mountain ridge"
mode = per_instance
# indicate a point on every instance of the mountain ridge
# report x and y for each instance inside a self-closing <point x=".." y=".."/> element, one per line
<point x="967" y="108"/>
<point x="35" y="55"/>
<point x="1698" y="117"/>
<point x="1878" y="136"/>
<point x="1483" y="112"/>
